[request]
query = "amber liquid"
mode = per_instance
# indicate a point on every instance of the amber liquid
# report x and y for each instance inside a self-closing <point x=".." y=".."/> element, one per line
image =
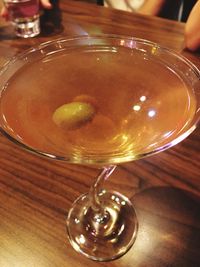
<point x="142" y="105"/>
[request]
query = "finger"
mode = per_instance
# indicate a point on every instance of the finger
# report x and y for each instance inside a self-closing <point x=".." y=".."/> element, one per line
<point x="192" y="33"/>
<point x="46" y="4"/>
<point x="4" y="13"/>
<point x="151" y="7"/>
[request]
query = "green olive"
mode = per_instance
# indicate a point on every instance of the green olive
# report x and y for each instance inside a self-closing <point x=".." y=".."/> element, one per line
<point x="73" y="115"/>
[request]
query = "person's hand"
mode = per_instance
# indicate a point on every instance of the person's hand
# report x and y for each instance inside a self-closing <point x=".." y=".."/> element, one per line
<point x="45" y="3"/>
<point x="151" y="7"/>
<point x="192" y="29"/>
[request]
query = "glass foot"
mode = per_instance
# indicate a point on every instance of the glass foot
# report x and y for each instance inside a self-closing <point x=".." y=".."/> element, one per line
<point x="102" y="237"/>
<point x="28" y="27"/>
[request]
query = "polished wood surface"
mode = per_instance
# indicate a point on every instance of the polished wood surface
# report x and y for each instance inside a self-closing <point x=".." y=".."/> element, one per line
<point x="36" y="193"/>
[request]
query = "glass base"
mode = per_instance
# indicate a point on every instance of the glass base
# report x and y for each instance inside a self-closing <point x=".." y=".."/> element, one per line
<point x="27" y="27"/>
<point x="102" y="238"/>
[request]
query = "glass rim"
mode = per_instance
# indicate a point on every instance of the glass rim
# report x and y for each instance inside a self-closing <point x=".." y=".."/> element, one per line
<point x="86" y="160"/>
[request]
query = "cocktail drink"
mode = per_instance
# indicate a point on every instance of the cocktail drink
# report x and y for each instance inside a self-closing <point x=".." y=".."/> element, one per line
<point x="24" y="14"/>
<point x="99" y="101"/>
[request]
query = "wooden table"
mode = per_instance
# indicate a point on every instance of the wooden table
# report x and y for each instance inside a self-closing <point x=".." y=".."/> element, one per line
<point x="35" y="193"/>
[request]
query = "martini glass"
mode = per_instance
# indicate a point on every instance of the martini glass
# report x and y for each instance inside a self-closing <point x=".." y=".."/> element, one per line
<point x="99" y="101"/>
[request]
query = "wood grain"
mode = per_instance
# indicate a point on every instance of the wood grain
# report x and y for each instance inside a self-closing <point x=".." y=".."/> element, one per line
<point x="36" y="193"/>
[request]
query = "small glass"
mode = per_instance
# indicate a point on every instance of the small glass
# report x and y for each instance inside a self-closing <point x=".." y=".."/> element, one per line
<point x="24" y="15"/>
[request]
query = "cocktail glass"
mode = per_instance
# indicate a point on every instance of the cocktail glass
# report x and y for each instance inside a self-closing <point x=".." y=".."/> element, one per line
<point x="121" y="99"/>
<point x="24" y="15"/>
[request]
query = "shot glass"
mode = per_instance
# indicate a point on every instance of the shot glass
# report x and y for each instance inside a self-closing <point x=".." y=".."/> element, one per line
<point x="24" y="15"/>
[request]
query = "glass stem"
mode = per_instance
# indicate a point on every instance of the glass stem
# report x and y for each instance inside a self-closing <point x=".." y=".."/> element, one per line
<point x="96" y="189"/>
